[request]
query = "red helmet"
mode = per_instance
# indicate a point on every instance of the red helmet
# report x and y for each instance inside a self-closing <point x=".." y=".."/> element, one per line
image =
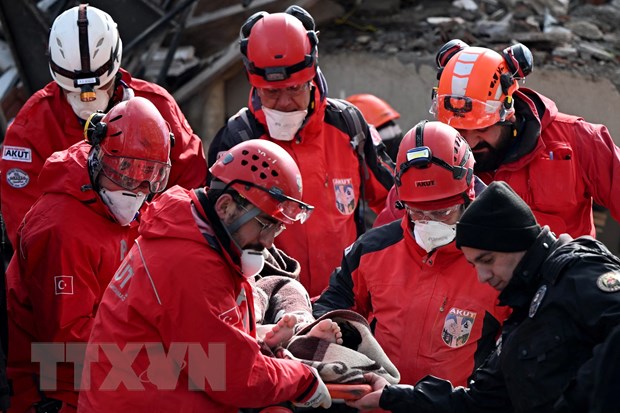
<point x="266" y="175"/>
<point x="475" y="89"/>
<point x="435" y="167"/>
<point x="376" y="110"/>
<point x="279" y="50"/>
<point x="131" y="145"/>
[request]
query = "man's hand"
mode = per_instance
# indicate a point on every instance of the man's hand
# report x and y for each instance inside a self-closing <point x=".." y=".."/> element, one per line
<point x="319" y="397"/>
<point x="371" y="400"/>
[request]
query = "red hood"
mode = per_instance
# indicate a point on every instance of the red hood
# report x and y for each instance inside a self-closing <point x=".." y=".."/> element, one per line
<point x="171" y="215"/>
<point x="536" y="112"/>
<point x="65" y="173"/>
<point x="177" y="213"/>
<point x="545" y="107"/>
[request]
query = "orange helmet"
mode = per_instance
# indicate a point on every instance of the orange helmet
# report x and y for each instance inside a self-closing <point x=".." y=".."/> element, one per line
<point x="279" y="49"/>
<point x="475" y="90"/>
<point x="435" y="167"/>
<point x="376" y="110"/>
<point x="266" y="175"/>
<point x="131" y="145"/>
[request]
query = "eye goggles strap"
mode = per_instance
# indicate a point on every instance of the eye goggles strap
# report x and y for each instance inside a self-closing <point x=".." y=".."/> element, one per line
<point x="86" y="74"/>
<point x="458" y="172"/>
<point x="281" y="72"/>
<point x="247" y="216"/>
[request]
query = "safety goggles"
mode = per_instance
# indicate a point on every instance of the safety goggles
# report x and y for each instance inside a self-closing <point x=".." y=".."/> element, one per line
<point x="131" y="173"/>
<point x="267" y="227"/>
<point x="291" y="91"/>
<point x="462" y="112"/>
<point x="291" y="208"/>
<point x="438" y="215"/>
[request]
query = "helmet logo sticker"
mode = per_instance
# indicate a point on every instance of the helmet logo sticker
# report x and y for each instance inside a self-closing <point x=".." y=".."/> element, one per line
<point x="457" y="327"/>
<point x="345" y="195"/>
<point x="425" y="184"/>
<point x="17" y="178"/>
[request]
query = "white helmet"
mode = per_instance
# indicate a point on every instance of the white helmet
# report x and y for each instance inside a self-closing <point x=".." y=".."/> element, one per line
<point x="85" y="50"/>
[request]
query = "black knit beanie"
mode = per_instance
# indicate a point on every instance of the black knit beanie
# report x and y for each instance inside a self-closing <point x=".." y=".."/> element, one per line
<point x="498" y="220"/>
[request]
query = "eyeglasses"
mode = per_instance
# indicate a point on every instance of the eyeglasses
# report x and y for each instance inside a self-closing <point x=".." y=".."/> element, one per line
<point x="438" y="215"/>
<point x="267" y="227"/>
<point x="291" y="91"/>
<point x="130" y="173"/>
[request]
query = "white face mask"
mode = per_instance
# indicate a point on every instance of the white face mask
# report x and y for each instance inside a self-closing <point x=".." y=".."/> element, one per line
<point x="432" y="234"/>
<point x="124" y="205"/>
<point x="284" y="125"/>
<point x="252" y="262"/>
<point x="84" y="109"/>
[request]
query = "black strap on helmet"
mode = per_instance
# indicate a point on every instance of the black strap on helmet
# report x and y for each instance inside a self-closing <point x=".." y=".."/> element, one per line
<point x="425" y="158"/>
<point x="83" y="36"/>
<point x="95" y="130"/>
<point x="272" y="74"/>
<point x="86" y="77"/>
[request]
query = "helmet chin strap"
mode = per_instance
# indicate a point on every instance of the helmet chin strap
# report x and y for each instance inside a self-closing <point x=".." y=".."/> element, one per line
<point x="237" y="223"/>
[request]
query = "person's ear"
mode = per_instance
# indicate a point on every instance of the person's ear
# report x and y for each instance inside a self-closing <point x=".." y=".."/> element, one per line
<point x="225" y="207"/>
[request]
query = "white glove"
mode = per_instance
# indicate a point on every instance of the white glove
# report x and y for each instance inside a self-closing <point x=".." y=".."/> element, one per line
<point x="319" y="397"/>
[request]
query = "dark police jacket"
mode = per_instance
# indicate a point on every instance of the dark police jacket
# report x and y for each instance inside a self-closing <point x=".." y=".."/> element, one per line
<point x="565" y="296"/>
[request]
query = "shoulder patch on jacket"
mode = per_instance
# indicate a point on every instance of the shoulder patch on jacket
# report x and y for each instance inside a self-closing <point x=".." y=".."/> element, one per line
<point x="17" y="154"/>
<point x="17" y="178"/>
<point x="609" y="282"/>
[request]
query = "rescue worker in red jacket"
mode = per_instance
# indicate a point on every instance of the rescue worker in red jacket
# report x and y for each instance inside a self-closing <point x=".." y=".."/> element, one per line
<point x="85" y="67"/>
<point x="185" y="289"/>
<point x="427" y="309"/>
<point x="288" y="105"/>
<point x="565" y="299"/>
<point x="557" y="163"/>
<point x="72" y="241"/>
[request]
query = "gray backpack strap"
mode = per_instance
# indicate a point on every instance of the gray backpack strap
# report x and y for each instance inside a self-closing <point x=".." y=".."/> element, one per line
<point x="243" y="114"/>
<point x="241" y="126"/>
<point x="354" y="125"/>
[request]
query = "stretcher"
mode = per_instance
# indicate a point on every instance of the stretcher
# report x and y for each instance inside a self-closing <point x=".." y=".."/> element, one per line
<point x="342" y="392"/>
<point x="338" y="392"/>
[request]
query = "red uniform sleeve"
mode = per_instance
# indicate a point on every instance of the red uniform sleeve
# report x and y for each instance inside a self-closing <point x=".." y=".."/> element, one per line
<point x="599" y="159"/>
<point x="20" y="166"/>
<point x="59" y="272"/>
